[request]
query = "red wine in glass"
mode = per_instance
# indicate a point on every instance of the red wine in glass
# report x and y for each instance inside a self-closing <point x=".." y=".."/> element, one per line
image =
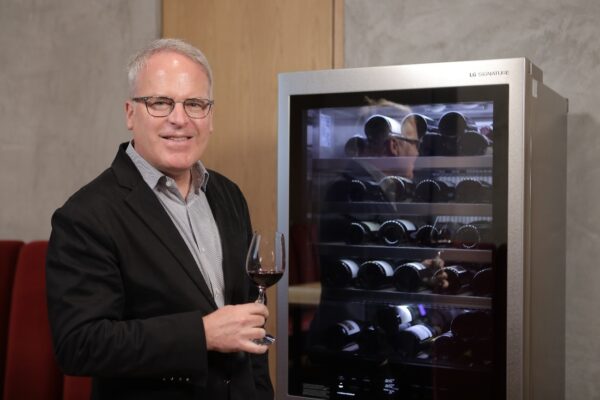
<point x="266" y="278"/>
<point x="265" y="265"/>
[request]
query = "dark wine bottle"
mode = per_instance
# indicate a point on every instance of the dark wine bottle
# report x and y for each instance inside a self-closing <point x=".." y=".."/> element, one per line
<point x="427" y="325"/>
<point x="483" y="282"/>
<point x="338" y="190"/>
<point x="446" y="232"/>
<point x="413" y="276"/>
<point x="339" y="273"/>
<point x="364" y="190"/>
<point x="469" y="325"/>
<point x="451" y="279"/>
<point x="455" y="124"/>
<point x="473" y="191"/>
<point x="356" y="146"/>
<point x="435" y="144"/>
<point x="438" y="234"/>
<point x="433" y="191"/>
<point x="396" y="231"/>
<point x="379" y="127"/>
<point x="418" y="124"/>
<point x="427" y="235"/>
<point x="395" y="318"/>
<point x="473" y="235"/>
<point x="375" y="274"/>
<point x="414" y="339"/>
<point x="445" y="347"/>
<point x="343" y="335"/>
<point x="360" y="232"/>
<point x="473" y="144"/>
<point x="396" y="188"/>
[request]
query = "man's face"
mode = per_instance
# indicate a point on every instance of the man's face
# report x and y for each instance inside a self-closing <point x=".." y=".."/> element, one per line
<point x="171" y="144"/>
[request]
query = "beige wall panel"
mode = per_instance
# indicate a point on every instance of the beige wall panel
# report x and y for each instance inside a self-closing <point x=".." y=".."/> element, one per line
<point x="248" y="42"/>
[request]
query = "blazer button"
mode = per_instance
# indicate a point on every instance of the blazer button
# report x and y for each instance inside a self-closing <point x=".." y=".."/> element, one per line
<point x="227" y="381"/>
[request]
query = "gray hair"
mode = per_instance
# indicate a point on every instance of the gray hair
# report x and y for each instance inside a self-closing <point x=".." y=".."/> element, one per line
<point x="139" y="60"/>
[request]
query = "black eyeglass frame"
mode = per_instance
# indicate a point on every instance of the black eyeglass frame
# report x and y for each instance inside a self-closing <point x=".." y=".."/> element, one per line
<point x="405" y="139"/>
<point x="172" y="102"/>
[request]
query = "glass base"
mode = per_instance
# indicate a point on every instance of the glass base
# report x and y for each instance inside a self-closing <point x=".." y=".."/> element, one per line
<point x="267" y="340"/>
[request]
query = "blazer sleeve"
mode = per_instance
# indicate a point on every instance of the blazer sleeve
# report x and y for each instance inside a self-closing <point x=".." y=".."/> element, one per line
<point x="86" y="303"/>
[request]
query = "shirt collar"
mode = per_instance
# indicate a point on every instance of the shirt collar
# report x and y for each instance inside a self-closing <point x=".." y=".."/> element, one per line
<point x="152" y="176"/>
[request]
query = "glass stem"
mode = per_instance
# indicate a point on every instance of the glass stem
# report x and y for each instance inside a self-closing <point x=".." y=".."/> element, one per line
<point x="261" y="295"/>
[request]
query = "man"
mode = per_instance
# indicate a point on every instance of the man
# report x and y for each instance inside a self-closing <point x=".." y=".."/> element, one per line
<point x="147" y="290"/>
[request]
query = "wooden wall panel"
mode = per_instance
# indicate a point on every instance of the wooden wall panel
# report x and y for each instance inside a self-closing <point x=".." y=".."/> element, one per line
<point x="248" y="42"/>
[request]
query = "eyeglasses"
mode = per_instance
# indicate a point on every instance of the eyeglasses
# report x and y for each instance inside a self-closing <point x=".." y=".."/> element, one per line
<point x="159" y="106"/>
<point x="405" y="139"/>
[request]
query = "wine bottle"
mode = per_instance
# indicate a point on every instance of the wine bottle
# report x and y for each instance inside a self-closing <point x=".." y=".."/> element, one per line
<point x="439" y="234"/>
<point x="446" y="232"/>
<point x="455" y="124"/>
<point x="411" y="277"/>
<point x="433" y="191"/>
<point x="340" y="273"/>
<point x="427" y="325"/>
<point x="473" y="235"/>
<point x="427" y="235"/>
<point x="445" y="347"/>
<point x="483" y="282"/>
<point x="364" y="190"/>
<point x="451" y="279"/>
<point x="473" y="144"/>
<point x="473" y="191"/>
<point x="338" y="190"/>
<point x="379" y="127"/>
<point x="355" y="146"/>
<point x="395" y="318"/>
<point x="360" y="232"/>
<point x="396" y="231"/>
<point x="416" y="125"/>
<point x="469" y="325"/>
<point x="396" y="188"/>
<point x="415" y="338"/>
<point x="375" y="274"/>
<point x="434" y="144"/>
<point x="343" y="335"/>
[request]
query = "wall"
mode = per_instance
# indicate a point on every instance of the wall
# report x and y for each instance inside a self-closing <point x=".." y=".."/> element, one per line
<point x="63" y="89"/>
<point x="561" y="37"/>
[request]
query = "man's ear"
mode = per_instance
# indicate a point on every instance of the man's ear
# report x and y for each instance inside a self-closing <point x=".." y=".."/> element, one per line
<point x="129" y="114"/>
<point x="392" y="147"/>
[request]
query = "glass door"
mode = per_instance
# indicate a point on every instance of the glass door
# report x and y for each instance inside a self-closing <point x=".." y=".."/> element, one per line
<point x="397" y="218"/>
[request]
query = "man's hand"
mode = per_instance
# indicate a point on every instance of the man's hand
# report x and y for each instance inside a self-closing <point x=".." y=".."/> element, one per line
<point x="232" y="328"/>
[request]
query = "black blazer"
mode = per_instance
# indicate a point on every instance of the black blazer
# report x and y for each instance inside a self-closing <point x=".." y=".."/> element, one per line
<point x="126" y="298"/>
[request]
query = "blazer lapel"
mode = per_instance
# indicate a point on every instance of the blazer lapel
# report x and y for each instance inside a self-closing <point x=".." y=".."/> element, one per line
<point x="144" y="203"/>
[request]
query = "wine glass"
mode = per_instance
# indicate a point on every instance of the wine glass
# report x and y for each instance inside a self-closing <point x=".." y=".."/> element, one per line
<point x="265" y="264"/>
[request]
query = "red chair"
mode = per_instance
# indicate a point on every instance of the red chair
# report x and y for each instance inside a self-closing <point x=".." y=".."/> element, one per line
<point x="9" y="251"/>
<point x="77" y="387"/>
<point x="31" y="371"/>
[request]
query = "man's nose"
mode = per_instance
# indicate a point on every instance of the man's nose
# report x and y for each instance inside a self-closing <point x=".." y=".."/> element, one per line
<point x="178" y="116"/>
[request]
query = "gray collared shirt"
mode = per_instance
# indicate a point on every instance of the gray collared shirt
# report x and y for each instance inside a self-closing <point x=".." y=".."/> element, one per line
<point x="193" y="218"/>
